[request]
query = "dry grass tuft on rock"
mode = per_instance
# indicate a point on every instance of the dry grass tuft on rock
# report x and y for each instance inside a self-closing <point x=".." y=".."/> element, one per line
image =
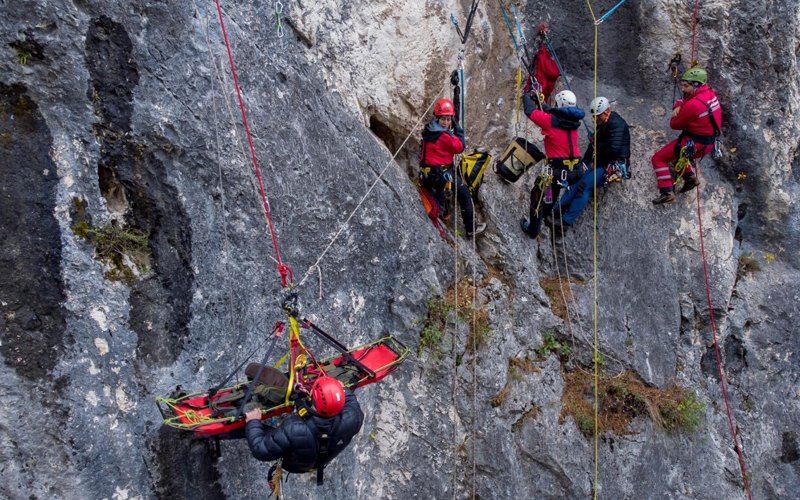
<point x="623" y="398"/>
<point x="126" y="250"/>
<point x="552" y="288"/>
<point x="516" y="367"/>
<point x="443" y="311"/>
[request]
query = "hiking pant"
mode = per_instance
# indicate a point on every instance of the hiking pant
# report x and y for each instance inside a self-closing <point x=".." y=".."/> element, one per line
<point x="573" y="201"/>
<point x="669" y="154"/>
<point x="435" y="182"/>
<point x="540" y="209"/>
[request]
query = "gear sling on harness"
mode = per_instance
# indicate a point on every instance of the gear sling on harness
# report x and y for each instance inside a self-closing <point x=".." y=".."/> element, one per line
<point x="558" y="173"/>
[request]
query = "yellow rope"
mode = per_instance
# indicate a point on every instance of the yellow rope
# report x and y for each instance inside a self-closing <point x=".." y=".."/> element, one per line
<point x="594" y="258"/>
<point x="294" y="332"/>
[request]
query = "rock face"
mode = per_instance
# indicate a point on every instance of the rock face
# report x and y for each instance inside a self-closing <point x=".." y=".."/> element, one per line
<point x="125" y="116"/>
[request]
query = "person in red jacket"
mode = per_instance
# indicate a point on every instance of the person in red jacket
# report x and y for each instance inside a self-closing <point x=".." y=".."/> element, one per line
<point x="560" y="129"/>
<point x="442" y="139"/>
<point x="699" y="117"/>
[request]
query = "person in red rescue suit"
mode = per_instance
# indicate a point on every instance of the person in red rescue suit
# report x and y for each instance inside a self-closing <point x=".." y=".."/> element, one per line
<point x="440" y="143"/>
<point x="560" y="129"/>
<point x="699" y="117"/>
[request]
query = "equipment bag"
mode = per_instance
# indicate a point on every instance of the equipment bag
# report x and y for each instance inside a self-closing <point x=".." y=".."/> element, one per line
<point x="472" y="167"/>
<point x="518" y="157"/>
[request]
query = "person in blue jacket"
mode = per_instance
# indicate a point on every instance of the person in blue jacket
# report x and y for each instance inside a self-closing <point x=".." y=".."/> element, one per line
<point x="613" y="142"/>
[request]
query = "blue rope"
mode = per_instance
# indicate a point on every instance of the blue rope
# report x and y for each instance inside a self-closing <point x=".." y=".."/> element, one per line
<point x="563" y="75"/>
<point x="519" y="28"/>
<point x="605" y="16"/>
<point x="508" y="23"/>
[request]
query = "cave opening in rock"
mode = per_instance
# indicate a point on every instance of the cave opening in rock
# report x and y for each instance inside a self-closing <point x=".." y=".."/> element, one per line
<point x="112" y="191"/>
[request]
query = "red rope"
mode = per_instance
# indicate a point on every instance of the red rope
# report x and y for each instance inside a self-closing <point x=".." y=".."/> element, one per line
<point x="694" y="31"/>
<point x="716" y="349"/>
<point x="283" y="269"/>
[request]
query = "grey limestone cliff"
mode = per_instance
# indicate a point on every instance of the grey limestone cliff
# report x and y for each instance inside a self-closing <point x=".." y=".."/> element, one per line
<point x="124" y="115"/>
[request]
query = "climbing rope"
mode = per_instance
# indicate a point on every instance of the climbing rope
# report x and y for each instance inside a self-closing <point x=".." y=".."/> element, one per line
<point x="693" y="62"/>
<point x="243" y="451"/>
<point x="594" y="259"/>
<point x="561" y="68"/>
<point x="474" y="354"/>
<point x="607" y="14"/>
<point x="455" y="343"/>
<point x="745" y="479"/>
<point x="283" y="270"/>
<point x="363" y="198"/>
<point x="205" y="29"/>
<point x="468" y="26"/>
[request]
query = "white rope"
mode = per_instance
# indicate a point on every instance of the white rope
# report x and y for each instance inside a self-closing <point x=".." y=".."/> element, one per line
<point x="455" y="340"/>
<point x="243" y="454"/>
<point x="571" y="295"/>
<point x="223" y="85"/>
<point x="474" y="350"/>
<point x="363" y="198"/>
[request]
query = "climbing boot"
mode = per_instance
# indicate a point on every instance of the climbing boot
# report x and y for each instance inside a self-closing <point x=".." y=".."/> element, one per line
<point x="559" y="224"/>
<point x="690" y="182"/>
<point x="666" y="198"/>
<point x="479" y="228"/>
<point x="525" y="225"/>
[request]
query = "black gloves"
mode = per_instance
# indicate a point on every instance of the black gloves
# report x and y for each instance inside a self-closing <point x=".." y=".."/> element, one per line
<point x="528" y="103"/>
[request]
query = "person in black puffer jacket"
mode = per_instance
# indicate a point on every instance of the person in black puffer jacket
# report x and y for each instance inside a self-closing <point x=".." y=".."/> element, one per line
<point x="309" y="442"/>
<point x="613" y="147"/>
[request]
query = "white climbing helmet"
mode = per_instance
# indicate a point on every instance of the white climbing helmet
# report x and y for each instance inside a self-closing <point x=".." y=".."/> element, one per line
<point x="565" y="99"/>
<point x="598" y="106"/>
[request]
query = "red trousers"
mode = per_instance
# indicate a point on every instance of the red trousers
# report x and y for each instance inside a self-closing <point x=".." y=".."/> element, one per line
<point x="666" y="155"/>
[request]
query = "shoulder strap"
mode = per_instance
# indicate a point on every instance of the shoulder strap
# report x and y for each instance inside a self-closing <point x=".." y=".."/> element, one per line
<point x="322" y="454"/>
<point x="322" y="439"/>
<point x="569" y="140"/>
<point x="714" y="125"/>
<point x="711" y="117"/>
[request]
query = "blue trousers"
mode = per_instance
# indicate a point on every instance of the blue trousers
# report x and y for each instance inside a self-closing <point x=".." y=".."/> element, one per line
<point x="573" y="201"/>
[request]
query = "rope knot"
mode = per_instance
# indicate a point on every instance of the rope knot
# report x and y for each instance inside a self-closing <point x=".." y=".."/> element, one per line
<point x="285" y="271"/>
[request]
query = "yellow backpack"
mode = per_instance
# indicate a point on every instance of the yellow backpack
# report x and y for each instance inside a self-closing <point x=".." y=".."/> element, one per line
<point x="472" y="167"/>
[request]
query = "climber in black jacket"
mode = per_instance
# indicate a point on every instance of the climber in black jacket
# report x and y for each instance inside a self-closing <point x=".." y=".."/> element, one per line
<point x="613" y="143"/>
<point x="308" y="442"/>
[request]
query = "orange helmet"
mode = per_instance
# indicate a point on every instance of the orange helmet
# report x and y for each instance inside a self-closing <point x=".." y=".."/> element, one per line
<point x="444" y="108"/>
<point x="328" y="396"/>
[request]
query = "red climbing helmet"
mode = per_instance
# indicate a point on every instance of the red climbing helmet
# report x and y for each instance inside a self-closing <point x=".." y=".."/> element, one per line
<point x="328" y="396"/>
<point x="444" y="108"/>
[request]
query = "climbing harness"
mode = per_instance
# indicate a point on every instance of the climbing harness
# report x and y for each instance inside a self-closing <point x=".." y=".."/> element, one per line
<point x="617" y="172"/>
